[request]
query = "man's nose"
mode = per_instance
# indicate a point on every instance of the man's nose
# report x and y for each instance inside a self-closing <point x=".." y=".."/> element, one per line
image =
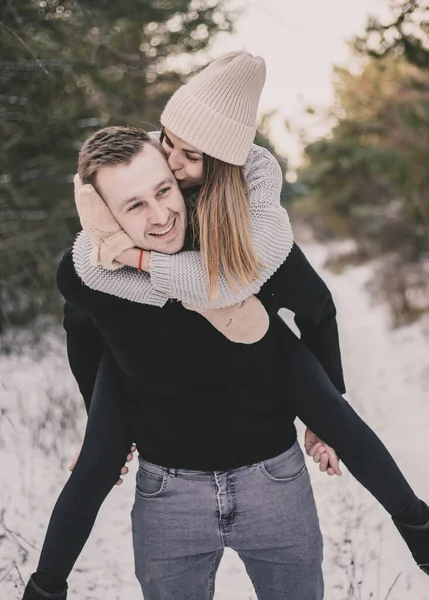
<point x="159" y="214"/>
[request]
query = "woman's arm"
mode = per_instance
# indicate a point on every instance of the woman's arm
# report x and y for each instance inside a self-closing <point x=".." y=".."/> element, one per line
<point x="182" y="275"/>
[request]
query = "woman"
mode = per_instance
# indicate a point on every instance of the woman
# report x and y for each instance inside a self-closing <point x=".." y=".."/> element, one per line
<point x="217" y="110"/>
<point x="402" y="505"/>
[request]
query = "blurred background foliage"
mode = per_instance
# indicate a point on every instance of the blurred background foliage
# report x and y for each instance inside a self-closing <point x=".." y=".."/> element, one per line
<point x="69" y="67"/>
<point x="368" y="180"/>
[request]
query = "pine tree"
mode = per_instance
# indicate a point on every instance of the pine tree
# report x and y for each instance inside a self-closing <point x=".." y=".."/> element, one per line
<point x="369" y="180"/>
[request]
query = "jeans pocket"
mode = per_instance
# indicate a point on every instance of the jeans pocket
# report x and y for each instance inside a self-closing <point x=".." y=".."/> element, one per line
<point x="286" y="466"/>
<point x="151" y="481"/>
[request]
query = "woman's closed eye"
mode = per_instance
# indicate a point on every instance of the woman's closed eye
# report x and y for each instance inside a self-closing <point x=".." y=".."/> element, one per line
<point x="192" y="159"/>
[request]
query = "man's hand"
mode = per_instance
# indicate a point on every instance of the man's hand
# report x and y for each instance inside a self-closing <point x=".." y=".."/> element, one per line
<point x="124" y="469"/>
<point x="322" y="454"/>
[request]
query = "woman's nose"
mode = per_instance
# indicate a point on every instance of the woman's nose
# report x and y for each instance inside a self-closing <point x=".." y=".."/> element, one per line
<point x="174" y="161"/>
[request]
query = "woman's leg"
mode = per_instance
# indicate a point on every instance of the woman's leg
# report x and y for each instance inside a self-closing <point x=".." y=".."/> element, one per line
<point x="316" y="401"/>
<point x="107" y="441"/>
<point x="320" y="406"/>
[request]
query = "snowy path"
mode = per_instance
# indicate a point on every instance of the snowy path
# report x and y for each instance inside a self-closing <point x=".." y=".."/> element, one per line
<point x="387" y="375"/>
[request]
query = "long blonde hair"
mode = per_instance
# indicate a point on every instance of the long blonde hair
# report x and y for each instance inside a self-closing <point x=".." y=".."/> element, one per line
<point x="224" y="226"/>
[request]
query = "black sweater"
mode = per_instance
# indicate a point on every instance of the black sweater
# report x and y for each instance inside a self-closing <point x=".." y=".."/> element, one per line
<point x="198" y="400"/>
<point x="202" y="402"/>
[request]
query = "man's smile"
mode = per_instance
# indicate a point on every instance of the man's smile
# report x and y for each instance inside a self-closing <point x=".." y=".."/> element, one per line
<point x="164" y="232"/>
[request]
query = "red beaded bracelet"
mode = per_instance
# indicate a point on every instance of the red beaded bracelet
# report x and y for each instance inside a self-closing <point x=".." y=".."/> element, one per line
<point x="140" y="261"/>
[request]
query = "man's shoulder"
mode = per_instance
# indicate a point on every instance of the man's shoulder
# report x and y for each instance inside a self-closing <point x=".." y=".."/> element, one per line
<point x="68" y="282"/>
<point x="65" y="267"/>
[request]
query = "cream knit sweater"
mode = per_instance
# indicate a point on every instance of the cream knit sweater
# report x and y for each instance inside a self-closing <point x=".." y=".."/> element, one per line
<point x="181" y="276"/>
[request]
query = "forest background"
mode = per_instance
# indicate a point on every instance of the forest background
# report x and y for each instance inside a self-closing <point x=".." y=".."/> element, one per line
<point x="68" y="68"/>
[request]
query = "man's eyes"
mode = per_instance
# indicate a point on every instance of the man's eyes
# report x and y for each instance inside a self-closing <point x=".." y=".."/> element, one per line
<point x="134" y="206"/>
<point x="164" y="190"/>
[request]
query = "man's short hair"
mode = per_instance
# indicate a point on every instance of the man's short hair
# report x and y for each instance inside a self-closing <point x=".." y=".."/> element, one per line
<point x="111" y="146"/>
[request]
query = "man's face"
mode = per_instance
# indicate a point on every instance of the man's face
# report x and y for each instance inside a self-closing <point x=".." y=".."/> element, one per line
<point x="145" y="199"/>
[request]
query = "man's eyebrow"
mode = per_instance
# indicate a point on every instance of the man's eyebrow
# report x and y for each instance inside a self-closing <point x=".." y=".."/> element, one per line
<point x="163" y="182"/>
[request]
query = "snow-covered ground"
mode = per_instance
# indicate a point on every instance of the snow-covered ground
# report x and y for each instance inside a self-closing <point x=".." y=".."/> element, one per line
<point x="387" y="375"/>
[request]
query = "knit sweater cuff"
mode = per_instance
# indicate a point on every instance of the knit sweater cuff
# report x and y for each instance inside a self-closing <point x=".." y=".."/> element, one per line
<point x="160" y="272"/>
<point x="124" y="283"/>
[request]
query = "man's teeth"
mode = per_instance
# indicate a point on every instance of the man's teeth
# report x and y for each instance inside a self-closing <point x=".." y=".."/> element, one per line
<point x="166" y="230"/>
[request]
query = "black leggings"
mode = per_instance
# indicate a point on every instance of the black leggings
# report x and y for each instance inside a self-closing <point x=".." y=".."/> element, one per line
<point x="108" y="438"/>
<point x="107" y="441"/>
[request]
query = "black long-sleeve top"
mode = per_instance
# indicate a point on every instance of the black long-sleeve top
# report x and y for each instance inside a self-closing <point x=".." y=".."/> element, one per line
<point x="189" y="386"/>
<point x="200" y="401"/>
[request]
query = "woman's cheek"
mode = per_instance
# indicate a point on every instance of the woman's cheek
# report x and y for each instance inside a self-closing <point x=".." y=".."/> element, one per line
<point x="197" y="171"/>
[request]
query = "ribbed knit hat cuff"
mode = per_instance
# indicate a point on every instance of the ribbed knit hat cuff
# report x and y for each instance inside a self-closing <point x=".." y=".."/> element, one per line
<point x="209" y="131"/>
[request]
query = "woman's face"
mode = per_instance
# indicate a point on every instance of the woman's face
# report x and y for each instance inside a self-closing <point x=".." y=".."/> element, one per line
<point x="185" y="160"/>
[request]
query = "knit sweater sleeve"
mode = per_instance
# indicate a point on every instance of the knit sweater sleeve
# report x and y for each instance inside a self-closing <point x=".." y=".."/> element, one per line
<point x="182" y="275"/>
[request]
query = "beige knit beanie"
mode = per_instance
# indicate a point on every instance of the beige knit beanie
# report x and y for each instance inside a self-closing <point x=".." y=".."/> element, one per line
<point x="216" y="110"/>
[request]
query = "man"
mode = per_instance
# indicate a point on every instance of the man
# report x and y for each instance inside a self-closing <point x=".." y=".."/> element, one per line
<point x="212" y="420"/>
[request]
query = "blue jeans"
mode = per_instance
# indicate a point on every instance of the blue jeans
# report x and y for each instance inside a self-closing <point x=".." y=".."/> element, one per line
<point x="182" y="520"/>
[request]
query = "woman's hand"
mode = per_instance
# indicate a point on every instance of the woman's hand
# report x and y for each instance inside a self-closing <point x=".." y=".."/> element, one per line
<point x="322" y="454"/>
<point x="107" y="237"/>
<point x="131" y="258"/>
<point x="124" y="469"/>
